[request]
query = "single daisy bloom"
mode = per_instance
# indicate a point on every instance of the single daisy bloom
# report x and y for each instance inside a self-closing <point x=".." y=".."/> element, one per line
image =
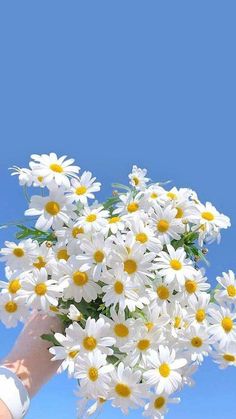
<point x="93" y="373"/>
<point x="153" y="194"/>
<point x="115" y="223"/>
<point x="40" y="292"/>
<point x="145" y="236"/>
<point x="71" y="235"/>
<point x="225" y="357"/>
<point x="166" y="225"/>
<point x="208" y="217"/>
<point x="138" y="178"/>
<point x="161" y="292"/>
<point x="25" y="175"/>
<point x="222" y="324"/>
<point x="157" y="407"/>
<point x="53" y="170"/>
<point x="67" y="352"/>
<point x="120" y="328"/>
<point x="19" y="256"/>
<point x="196" y="342"/>
<point x="95" y="251"/>
<point x="126" y="391"/>
<point x="198" y="308"/>
<point x="93" y="219"/>
<point x="13" y="285"/>
<point x="53" y="210"/>
<point x="130" y="204"/>
<point x="165" y="373"/>
<point x="195" y="284"/>
<point x="12" y="310"/>
<point x="83" y="188"/>
<point x="174" y="265"/>
<point x="228" y="291"/>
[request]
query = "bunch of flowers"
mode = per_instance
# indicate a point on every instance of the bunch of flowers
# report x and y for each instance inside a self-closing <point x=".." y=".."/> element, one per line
<point x="123" y="277"/>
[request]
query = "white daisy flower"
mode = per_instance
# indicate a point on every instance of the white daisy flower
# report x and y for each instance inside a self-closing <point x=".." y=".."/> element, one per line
<point x="157" y="406"/>
<point x="195" y="284"/>
<point x="166" y="225"/>
<point x="115" y="223"/>
<point x="74" y="314"/>
<point x="222" y="324"/>
<point x="225" y="357"/>
<point x="138" y="178"/>
<point x="52" y="169"/>
<point x="198" y="308"/>
<point x="120" y="328"/>
<point x="93" y="219"/>
<point x="197" y="342"/>
<point x="161" y="292"/>
<point x="12" y="310"/>
<point x="19" y="256"/>
<point x="164" y="374"/>
<point x="53" y="210"/>
<point x="67" y="352"/>
<point x="25" y="175"/>
<point x="82" y="189"/>
<point x="95" y="251"/>
<point x="71" y="235"/>
<point x="130" y="204"/>
<point x="13" y="285"/>
<point x="145" y="236"/>
<point x="228" y="283"/>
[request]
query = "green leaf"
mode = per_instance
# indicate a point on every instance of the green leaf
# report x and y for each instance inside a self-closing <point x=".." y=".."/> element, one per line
<point x="120" y="186"/>
<point x="50" y="338"/>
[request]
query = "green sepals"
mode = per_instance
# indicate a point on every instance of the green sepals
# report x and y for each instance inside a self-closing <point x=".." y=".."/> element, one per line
<point x="50" y="338"/>
<point x="35" y="234"/>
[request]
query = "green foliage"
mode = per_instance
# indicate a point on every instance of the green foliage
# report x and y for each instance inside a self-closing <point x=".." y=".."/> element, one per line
<point x="35" y="234"/>
<point x="50" y="338"/>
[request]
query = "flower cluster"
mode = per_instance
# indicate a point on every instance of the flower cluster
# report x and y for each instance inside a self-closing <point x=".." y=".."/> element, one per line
<point x="123" y="276"/>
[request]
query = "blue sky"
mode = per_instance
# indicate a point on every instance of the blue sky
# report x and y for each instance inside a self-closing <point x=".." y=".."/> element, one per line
<point x="113" y="84"/>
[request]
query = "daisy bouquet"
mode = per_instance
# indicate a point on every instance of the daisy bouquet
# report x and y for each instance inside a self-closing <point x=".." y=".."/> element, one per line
<point x="124" y="277"/>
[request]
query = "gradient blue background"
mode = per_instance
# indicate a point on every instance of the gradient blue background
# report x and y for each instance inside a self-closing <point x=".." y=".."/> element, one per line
<point x="116" y="83"/>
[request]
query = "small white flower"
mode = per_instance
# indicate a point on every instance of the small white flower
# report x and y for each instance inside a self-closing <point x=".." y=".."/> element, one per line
<point x="157" y="406"/>
<point x="138" y="178"/>
<point x="12" y="310"/>
<point x="166" y="225"/>
<point x="82" y="189"/>
<point x="21" y="255"/>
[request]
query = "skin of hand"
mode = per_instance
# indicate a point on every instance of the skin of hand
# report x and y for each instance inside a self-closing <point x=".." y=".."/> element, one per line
<point x="30" y="359"/>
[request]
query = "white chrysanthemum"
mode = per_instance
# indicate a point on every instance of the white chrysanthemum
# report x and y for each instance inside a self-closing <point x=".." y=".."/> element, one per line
<point x="95" y="251"/>
<point x="12" y="310"/>
<point x="195" y="284"/>
<point x="53" y="170"/>
<point x="25" y="175"/>
<point x="93" y="373"/>
<point x="225" y="357"/>
<point x="130" y="204"/>
<point x="166" y="225"/>
<point x="161" y="293"/>
<point x="138" y="178"/>
<point x="71" y="236"/>
<point x="157" y="406"/>
<point x="19" y="256"/>
<point x="197" y="342"/>
<point x="115" y="224"/>
<point x="13" y="285"/>
<point x="164" y="373"/>
<point x="82" y="189"/>
<point x="198" y="308"/>
<point x="228" y="283"/>
<point x="120" y="328"/>
<point x="145" y="236"/>
<point x="44" y="257"/>
<point x="67" y="352"/>
<point x="54" y="210"/>
<point x="222" y="324"/>
<point x="93" y="219"/>
<point x="174" y="265"/>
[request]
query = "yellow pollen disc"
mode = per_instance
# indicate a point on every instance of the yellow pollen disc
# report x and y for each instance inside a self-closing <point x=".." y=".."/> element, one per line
<point x="93" y="373"/>
<point x="171" y="195"/>
<point x="196" y="342"/>
<point x="149" y="326"/>
<point x="163" y="292"/>
<point x="18" y="252"/>
<point x="91" y="218"/>
<point x="76" y="231"/>
<point x="123" y="390"/>
<point x="118" y="287"/>
<point x="190" y="286"/>
<point x="177" y="322"/>
<point x="159" y="402"/>
<point x="200" y="315"/>
<point x="136" y="180"/>
<point x="52" y="207"/>
<point x="98" y="256"/>
<point x="14" y="286"/>
<point x="121" y="330"/>
<point x="141" y="237"/>
<point x="164" y="370"/>
<point x="114" y="220"/>
<point x="80" y="278"/>
<point x="229" y="358"/>
<point x="40" y="263"/>
<point x="40" y="289"/>
<point x="40" y="178"/>
<point x="89" y="343"/>
<point x="81" y="190"/>
<point x="62" y="254"/>
<point x="231" y="290"/>
<point x="208" y="216"/>
<point x="180" y="213"/>
<point x="143" y="344"/>
<point x="175" y="264"/>
<point x="163" y="226"/>
<point x="11" y="307"/>
<point x="73" y="354"/>
<point x="132" y="207"/>
<point x="130" y="266"/>
<point x="54" y="309"/>
<point x="56" y="168"/>
<point x="154" y="195"/>
<point x="227" y="324"/>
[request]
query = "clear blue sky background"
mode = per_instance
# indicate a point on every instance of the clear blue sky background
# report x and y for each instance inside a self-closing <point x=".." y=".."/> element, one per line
<point x="116" y="83"/>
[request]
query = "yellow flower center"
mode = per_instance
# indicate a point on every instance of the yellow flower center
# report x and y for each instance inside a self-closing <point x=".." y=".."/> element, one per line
<point x="14" y="286"/>
<point x="200" y="315"/>
<point x="163" y="226"/>
<point x="118" y="287"/>
<point x="62" y="254"/>
<point x="81" y="190"/>
<point x="175" y="264"/>
<point x="196" y="342"/>
<point x="98" y="256"/>
<point x="11" y="307"/>
<point x="40" y="289"/>
<point x="143" y="344"/>
<point x="73" y="354"/>
<point x="149" y="325"/>
<point x="130" y="266"/>
<point x="163" y="292"/>
<point x="159" y="402"/>
<point x="171" y="195"/>
<point x="89" y="343"/>
<point x="164" y="370"/>
<point x="208" y="216"/>
<point x="132" y="207"/>
<point x="91" y="218"/>
<point x="56" y="168"/>
<point x="141" y="237"/>
<point x="114" y="220"/>
<point x="80" y="278"/>
<point x="52" y="207"/>
<point x="227" y="324"/>
<point x="190" y="286"/>
<point x="121" y="330"/>
<point x="229" y="358"/>
<point x="180" y="213"/>
<point x="18" y="252"/>
<point x="54" y="309"/>
<point x="93" y="373"/>
<point x="40" y="262"/>
<point x="136" y="180"/>
<point x="154" y="195"/>
<point x="177" y="322"/>
<point x="231" y="290"/>
<point x="122" y="390"/>
<point x="76" y="231"/>
<point x="40" y="178"/>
